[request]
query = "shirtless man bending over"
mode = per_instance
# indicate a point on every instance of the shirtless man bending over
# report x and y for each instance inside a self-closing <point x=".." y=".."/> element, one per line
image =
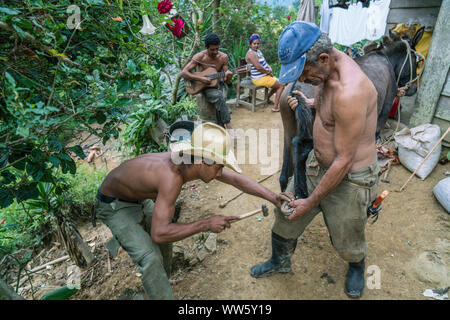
<point x="137" y="201"/>
<point x="341" y="170"/>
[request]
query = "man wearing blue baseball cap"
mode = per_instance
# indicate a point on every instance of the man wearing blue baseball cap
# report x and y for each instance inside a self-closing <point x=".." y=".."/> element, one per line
<point x="341" y="170"/>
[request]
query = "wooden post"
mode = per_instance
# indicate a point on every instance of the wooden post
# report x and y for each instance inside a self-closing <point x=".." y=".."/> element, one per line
<point x="216" y="6"/>
<point x="436" y="69"/>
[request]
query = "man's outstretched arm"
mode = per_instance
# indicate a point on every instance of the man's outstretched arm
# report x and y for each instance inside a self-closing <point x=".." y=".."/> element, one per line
<point x="163" y="230"/>
<point x="249" y="186"/>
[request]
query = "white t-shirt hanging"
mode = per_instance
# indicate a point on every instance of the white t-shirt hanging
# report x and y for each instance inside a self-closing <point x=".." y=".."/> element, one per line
<point x="348" y="26"/>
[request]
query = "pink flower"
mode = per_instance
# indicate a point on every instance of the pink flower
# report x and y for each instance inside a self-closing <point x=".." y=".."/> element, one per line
<point x="164" y="6"/>
<point x="177" y="27"/>
<point x="3" y="221"/>
<point x="289" y="17"/>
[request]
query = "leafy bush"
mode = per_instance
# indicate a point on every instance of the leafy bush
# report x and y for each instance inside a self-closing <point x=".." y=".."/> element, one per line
<point x="28" y="223"/>
<point x="82" y="189"/>
<point x="25" y="226"/>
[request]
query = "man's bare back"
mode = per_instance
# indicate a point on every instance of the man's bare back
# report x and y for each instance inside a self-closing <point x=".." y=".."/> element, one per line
<point x="354" y="86"/>
<point x="140" y="178"/>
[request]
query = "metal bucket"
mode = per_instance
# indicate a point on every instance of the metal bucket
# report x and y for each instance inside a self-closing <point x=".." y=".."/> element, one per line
<point x="181" y="130"/>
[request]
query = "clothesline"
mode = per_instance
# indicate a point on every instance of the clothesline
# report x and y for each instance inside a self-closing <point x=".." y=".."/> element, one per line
<point x="361" y="20"/>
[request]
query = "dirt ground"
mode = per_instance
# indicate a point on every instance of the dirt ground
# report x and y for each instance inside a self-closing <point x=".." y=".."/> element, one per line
<point x="409" y="244"/>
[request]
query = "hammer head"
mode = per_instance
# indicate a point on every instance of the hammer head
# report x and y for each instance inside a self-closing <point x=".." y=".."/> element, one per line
<point x="265" y="210"/>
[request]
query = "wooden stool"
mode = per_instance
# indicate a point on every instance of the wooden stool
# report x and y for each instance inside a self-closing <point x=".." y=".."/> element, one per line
<point x="244" y="81"/>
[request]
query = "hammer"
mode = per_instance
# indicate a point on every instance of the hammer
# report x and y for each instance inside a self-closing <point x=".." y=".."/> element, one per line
<point x="264" y="210"/>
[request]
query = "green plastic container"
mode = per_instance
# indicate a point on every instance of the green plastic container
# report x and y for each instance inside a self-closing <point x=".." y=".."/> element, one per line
<point x="60" y="294"/>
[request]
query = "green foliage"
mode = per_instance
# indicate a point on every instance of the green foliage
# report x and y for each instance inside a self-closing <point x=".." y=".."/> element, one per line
<point x="22" y="228"/>
<point x="242" y="18"/>
<point x="187" y="107"/>
<point x="80" y="195"/>
<point x="58" y="83"/>
<point x="28" y="223"/>
<point x="144" y="118"/>
<point x="240" y="48"/>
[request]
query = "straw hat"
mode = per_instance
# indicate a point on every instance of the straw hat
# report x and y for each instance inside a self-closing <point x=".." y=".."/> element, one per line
<point x="209" y="141"/>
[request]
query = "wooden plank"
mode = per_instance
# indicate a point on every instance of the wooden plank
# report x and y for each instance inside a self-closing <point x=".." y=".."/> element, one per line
<point x="443" y="124"/>
<point x="443" y="108"/>
<point x="446" y="89"/>
<point x="414" y="3"/>
<point x="436" y="69"/>
<point x="404" y="15"/>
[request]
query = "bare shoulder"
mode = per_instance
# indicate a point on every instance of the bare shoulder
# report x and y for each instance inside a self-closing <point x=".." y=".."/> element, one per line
<point x="223" y="56"/>
<point x="251" y="53"/>
<point x="351" y="97"/>
<point x="199" y="56"/>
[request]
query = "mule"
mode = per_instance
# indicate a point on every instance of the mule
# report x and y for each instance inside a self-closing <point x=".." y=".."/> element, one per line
<point x="389" y="66"/>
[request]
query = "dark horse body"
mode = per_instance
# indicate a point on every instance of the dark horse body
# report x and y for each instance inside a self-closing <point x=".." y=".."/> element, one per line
<point x="384" y="66"/>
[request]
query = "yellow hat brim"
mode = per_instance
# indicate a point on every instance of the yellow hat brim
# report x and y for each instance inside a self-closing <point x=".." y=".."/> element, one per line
<point x="228" y="160"/>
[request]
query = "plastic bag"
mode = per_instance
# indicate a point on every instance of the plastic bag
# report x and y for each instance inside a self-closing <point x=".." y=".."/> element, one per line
<point x="442" y="193"/>
<point x="414" y="145"/>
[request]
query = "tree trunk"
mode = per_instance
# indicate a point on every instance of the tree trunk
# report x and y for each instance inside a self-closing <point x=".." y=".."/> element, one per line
<point x="8" y="293"/>
<point x="215" y="19"/>
<point x="194" y="49"/>
<point x="74" y="244"/>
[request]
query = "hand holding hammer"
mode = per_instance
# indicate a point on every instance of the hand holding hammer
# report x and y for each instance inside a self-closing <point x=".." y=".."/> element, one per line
<point x="263" y="209"/>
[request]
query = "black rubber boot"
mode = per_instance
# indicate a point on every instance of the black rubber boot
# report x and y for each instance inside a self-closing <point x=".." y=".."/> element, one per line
<point x="280" y="262"/>
<point x="354" y="284"/>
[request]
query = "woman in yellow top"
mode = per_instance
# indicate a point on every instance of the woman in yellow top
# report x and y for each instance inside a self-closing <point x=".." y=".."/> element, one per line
<point x="260" y="72"/>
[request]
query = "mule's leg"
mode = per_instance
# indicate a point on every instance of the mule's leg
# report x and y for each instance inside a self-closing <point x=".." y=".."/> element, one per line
<point x="297" y="150"/>
<point x="383" y="116"/>
<point x="286" y="169"/>
<point x="306" y="147"/>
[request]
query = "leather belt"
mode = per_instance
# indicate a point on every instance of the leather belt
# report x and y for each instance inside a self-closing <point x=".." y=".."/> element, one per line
<point x="108" y="199"/>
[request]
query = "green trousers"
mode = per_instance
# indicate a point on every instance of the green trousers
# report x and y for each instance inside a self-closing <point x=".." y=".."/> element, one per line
<point x="344" y="209"/>
<point x="130" y="224"/>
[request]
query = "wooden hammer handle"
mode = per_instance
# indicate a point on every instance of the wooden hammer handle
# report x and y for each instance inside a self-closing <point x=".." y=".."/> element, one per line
<point x="249" y="214"/>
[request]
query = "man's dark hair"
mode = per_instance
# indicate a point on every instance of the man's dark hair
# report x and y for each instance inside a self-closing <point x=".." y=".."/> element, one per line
<point x="212" y="38"/>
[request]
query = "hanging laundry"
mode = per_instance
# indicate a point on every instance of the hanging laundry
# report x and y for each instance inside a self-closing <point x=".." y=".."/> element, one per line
<point x="306" y="11"/>
<point x="358" y="23"/>
<point x="365" y="3"/>
<point x="348" y="26"/>
<point x="338" y="4"/>
<point x="377" y="15"/>
<point x="325" y="16"/>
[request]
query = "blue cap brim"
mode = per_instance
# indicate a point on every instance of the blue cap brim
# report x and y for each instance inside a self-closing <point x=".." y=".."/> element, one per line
<point x="292" y="71"/>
